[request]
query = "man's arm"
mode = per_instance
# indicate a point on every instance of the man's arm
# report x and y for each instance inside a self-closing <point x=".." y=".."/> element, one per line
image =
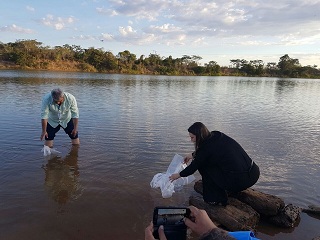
<point x="44" y="128"/>
<point x="75" y="126"/>
<point x="74" y="107"/>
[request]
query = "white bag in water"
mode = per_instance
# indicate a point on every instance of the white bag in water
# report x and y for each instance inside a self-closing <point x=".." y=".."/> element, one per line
<point x="162" y="180"/>
<point x="48" y="151"/>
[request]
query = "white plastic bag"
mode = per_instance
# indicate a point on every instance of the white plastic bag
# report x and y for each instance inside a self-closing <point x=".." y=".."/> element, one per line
<point x="162" y="181"/>
<point x="48" y="151"/>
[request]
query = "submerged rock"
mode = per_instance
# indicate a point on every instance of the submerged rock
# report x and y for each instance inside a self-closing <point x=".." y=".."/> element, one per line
<point x="312" y="209"/>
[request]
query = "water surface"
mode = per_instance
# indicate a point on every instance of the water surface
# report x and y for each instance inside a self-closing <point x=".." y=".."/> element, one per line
<point x="130" y="129"/>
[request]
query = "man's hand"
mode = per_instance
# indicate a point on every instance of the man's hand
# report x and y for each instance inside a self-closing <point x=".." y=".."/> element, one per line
<point x="43" y="135"/>
<point x="74" y="132"/>
<point x="75" y="126"/>
<point x="148" y="233"/>
<point x="199" y="221"/>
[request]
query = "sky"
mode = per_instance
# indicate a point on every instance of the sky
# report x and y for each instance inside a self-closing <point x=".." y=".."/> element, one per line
<point x="215" y="30"/>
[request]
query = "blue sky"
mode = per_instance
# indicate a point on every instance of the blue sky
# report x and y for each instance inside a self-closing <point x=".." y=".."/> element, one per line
<point x="216" y="30"/>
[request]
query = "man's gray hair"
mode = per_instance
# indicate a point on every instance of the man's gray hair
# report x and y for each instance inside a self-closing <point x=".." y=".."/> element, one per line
<point x="56" y="94"/>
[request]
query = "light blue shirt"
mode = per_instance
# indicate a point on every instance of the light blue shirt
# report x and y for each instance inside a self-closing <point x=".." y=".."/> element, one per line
<point x="59" y="114"/>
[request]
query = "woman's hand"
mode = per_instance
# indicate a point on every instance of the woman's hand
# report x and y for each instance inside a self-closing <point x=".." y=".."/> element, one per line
<point x="174" y="176"/>
<point x="187" y="158"/>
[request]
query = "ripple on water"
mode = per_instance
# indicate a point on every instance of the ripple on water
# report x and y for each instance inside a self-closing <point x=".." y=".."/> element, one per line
<point x="130" y="128"/>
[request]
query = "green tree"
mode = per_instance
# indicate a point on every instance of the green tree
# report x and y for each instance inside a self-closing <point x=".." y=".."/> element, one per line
<point x="25" y="52"/>
<point x="212" y="68"/>
<point x="102" y="61"/>
<point x="94" y="57"/>
<point x="289" y="66"/>
<point x="236" y="63"/>
<point x="126" y="59"/>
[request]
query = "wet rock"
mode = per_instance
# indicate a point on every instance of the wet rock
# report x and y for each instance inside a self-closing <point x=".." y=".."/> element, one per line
<point x="312" y="209"/>
<point x="263" y="203"/>
<point x="287" y="217"/>
<point x="245" y="208"/>
<point x="235" y="216"/>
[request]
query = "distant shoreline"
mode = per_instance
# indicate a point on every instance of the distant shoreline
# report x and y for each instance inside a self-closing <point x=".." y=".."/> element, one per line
<point x="72" y="67"/>
<point x="31" y="55"/>
<point x="5" y="65"/>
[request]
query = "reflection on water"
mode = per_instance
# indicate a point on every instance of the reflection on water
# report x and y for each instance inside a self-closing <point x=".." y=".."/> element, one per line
<point x="61" y="177"/>
<point x="130" y="128"/>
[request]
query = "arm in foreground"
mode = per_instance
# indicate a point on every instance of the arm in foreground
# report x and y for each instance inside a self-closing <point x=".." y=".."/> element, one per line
<point x="201" y="224"/>
<point x="148" y="233"/>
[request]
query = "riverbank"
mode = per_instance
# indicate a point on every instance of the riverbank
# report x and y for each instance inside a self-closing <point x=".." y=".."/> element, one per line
<point x="77" y="66"/>
<point x="64" y="66"/>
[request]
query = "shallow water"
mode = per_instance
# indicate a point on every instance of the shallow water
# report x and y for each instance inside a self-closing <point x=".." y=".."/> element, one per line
<point x="130" y="129"/>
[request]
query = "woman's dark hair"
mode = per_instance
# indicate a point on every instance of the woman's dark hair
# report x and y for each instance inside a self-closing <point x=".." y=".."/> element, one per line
<point x="200" y="131"/>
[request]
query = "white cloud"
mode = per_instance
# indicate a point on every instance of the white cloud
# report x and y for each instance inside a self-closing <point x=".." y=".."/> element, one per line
<point x="109" y="12"/>
<point x="15" y="28"/>
<point x="106" y="36"/>
<point x="216" y="28"/>
<point x="139" y="9"/>
<point x="204" y="22"/>
<point x="31" y="9"/>
<point x="308" y="59"/>
<point x="127" y="31"/>
<point x="84" y="37"/>
<point x="218" y="24"/>
<point x="200" y="41"/>
<point x="166" y="28"/>
<point x="129" y="35"/>
<point x="57" y="22"/>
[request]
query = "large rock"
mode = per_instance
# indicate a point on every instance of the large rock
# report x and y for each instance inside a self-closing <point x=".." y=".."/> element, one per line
<point x="287" y="217"/>
<point x="234" y="217"/>
<point x="238" y="214"/>
<point x="263" y="203"/>
<point x="266" y="204"/>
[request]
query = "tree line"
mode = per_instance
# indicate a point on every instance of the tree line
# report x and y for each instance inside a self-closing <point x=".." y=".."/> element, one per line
<point x="31" y="54"/>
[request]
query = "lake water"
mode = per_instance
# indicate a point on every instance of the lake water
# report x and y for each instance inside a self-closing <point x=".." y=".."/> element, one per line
<point x="130" y="129"/>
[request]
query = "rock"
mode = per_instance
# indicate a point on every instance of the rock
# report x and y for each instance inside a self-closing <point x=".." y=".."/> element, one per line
<point x="316" y="238"/>
<point x="265" y="204"/>
<point x="312" y="209"/>
<point x="287" y="217"/>
<point x="236" y="216"/>
<point x="245" y="208"/>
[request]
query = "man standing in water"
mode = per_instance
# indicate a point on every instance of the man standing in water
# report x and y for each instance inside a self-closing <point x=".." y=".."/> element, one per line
<point x="59" y="109"/>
